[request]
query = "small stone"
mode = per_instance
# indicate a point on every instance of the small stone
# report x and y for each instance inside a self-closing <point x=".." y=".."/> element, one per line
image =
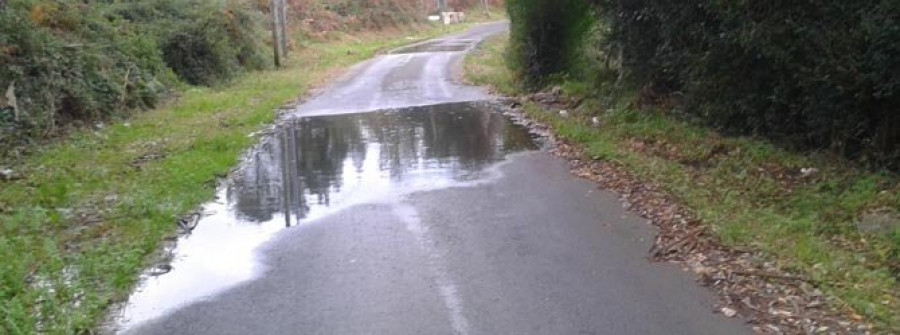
<point x="809" y="172"/>
<point x="728" y="312"/>
<point x="160" y="270"/>
<point x="781" y="313"/>
<point x="9" y="100"/>
<point x="595" y="121"/>
<point x="564" y="113"/>
<point x="881" y="221"/>
<point x="556" y="91"/>
<point x="8" y="174"/>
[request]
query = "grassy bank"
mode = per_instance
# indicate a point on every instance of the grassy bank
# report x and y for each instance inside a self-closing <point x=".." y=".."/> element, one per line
<point x="65" y="63"/>
<point x="750" y="193"/>
<point x="80" y="217"/>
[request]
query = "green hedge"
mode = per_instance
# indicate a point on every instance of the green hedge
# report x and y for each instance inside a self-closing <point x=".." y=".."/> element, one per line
<point x="69" y="61"/>
<point x="547" y="35"/>
<point x="812" y="75"/>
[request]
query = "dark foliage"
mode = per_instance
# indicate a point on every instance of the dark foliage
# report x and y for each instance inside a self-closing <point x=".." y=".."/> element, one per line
<point x="546" y="34"/>
<point x="818" y="75"/>
<point x="212" y="50"/>
<point x="814" y="75"/>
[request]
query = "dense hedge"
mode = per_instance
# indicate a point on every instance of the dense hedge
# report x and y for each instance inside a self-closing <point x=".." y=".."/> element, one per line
<point x="68" y="61"/>
<point x="818" y="75"/>
<point x="547" y="35"/>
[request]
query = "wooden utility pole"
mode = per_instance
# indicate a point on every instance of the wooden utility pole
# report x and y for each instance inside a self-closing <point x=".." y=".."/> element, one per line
<point x="276" y="36"/>
<point x="282" y="20"/>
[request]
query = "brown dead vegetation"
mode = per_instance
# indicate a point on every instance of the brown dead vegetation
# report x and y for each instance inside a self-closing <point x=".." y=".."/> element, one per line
<point x="317" y="18"/>
<point x="770" y="299"/>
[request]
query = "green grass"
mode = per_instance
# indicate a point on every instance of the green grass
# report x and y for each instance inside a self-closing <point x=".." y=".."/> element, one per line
<point x="745" y="189"/>
<point x="487" y="67"/>
<point x="92" y="208"/>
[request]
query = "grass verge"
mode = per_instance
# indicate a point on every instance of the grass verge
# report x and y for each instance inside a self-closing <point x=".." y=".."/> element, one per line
<point x="749" y="192"/>
<point x="87" y="211"/>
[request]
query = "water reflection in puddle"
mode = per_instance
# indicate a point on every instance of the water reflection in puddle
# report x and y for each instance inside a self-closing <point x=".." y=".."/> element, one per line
<point x="311" y="167"/>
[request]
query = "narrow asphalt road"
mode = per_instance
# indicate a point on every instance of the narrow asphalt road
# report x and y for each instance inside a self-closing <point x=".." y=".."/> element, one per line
<point x="401" y="202"/>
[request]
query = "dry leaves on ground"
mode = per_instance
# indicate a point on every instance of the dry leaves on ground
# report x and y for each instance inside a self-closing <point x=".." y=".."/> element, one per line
<point x="771" y="300"/>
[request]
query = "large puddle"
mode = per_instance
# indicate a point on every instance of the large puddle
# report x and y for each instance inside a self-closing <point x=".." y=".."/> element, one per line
<point x="314" y="166"/>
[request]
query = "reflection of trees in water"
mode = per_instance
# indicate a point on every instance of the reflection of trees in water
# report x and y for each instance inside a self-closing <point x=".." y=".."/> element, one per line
<point x="455" y="137"/>
<point x="255" y="191"/>
<point x="319" y="147"/>
<point x="458" y="138"/>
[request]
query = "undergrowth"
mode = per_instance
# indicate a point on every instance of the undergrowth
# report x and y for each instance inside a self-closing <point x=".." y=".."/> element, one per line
<point x="67" y="64"/>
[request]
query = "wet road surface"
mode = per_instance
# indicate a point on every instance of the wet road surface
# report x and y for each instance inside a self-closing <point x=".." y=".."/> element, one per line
<point x="394" y="204"/>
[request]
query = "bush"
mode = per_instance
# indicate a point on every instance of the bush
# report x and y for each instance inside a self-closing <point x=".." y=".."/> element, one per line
<point x="198" y="57"/>
<point x="71" y="62"/>
<point x="547" y="35"/>
<point x="67" y="62"/>
<point x="212" y="48"/>
<point x="811" y="75"/>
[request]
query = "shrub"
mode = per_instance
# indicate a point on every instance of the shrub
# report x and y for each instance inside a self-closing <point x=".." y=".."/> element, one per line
<point x="68" y="62"/>
<point x="810" y="75"/>
<point x="206" y="49"/>
<point x="547" y="34"/>
<point x="71" y="61"/>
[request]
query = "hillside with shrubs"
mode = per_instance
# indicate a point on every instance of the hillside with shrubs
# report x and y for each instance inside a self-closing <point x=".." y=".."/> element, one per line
<point x="70" y="63"/>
